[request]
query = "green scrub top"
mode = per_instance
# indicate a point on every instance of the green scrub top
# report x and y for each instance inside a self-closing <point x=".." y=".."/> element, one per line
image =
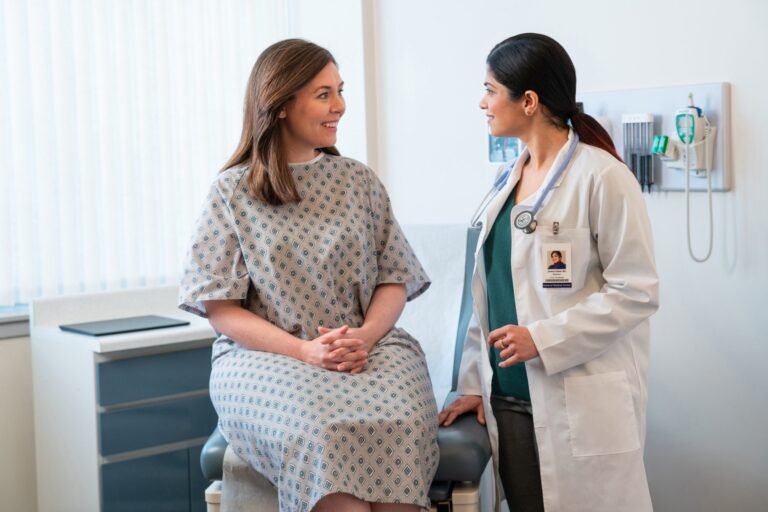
<point x="497" y="254"/>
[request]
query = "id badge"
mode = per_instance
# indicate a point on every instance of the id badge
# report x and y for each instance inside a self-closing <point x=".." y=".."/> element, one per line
<point x="556" y="259"/>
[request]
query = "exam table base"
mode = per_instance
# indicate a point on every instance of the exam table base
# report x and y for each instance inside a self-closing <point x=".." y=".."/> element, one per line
<point x="248" y="491"/>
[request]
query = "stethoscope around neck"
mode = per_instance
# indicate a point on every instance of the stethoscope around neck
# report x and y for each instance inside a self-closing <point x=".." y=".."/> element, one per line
<point x="526" y="219"/>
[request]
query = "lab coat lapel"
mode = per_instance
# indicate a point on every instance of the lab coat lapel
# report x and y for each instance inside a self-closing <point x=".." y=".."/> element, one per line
<point x="553" y="169"/>
<point x="498" y="202"/>
<point x="478" y="272"/>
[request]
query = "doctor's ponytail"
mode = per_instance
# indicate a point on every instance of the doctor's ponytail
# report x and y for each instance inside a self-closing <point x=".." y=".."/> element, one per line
<point x="591" y="132"/>
<point x="535" y="62"/>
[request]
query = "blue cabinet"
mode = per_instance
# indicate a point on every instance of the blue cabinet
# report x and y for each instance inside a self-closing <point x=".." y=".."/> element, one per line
<point x="197" y="481"/>
<point x="159" y="483"/>
<point x="169" y="482"/>
<point x="154" y="416"/>
<point x="120" y="419"/>
<point x="150" y="376"/>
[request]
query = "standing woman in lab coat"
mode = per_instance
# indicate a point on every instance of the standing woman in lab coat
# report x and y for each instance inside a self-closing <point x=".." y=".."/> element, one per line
<point x="555" y="360"/>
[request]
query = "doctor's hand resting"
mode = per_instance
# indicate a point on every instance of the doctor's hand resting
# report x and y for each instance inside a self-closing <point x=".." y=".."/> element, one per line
<point x="556" y="354"/>
<point x="514" y="343"/>
<point x="516" y="346"/>
<point x="461" y="405"/>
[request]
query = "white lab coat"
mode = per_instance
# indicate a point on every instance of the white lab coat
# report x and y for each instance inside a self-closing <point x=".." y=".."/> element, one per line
<point x="588" y="385"/>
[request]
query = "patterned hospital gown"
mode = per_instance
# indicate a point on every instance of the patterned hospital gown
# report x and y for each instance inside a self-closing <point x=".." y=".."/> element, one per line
<point x="313" y="432"/>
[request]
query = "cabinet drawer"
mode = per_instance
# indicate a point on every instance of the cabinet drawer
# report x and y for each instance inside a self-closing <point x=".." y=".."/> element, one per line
<point x="145" y="377"/>
<point x="197" y="481"/>
<point x="156" y="424"/>
<point x="159" y="483"/>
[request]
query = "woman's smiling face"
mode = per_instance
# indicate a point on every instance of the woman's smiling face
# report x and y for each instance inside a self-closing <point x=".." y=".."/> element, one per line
<point x="310" y="118"/>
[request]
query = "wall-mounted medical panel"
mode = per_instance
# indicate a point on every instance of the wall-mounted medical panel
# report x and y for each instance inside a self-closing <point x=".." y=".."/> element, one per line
<point x="613" y="108"/>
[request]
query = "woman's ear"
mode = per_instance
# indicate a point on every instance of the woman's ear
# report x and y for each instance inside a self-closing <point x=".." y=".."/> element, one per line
<point x="282" y="114"/>
<point x="530" y="102"/>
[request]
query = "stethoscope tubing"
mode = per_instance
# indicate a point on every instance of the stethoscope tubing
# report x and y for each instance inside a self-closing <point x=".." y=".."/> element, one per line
<point x="501" y="181"/>
<point x="491" y="195"/>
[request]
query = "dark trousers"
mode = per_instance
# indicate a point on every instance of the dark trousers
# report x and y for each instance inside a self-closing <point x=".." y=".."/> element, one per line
<point x="518" y="455"/>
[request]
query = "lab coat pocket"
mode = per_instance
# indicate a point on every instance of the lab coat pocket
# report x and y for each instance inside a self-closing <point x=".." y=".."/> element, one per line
<point x="601" y="415"/>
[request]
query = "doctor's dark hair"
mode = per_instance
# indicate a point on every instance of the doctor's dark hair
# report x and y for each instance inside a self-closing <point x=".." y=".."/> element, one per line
<point x="280" y="71"/>
<point x="535" y="62"/>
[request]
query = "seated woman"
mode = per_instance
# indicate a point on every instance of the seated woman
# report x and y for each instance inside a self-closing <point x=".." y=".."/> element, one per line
<point x="299" y="263"/>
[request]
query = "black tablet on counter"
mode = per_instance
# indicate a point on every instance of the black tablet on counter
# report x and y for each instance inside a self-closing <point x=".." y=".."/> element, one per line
<point x="123" y="325"/>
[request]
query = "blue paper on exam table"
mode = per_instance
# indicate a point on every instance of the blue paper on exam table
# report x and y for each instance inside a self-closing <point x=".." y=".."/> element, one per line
<point x="123" y="325"/>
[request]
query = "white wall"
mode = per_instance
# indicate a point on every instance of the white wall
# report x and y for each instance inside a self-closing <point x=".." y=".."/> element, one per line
<point x="707" y="447"/>
<point x="17" y="428"/>
<point x="342" y="34"/>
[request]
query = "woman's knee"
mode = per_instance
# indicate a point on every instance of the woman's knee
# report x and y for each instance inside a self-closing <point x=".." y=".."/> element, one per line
<point x="341" y="501"/>
<point x="394" y="507"/>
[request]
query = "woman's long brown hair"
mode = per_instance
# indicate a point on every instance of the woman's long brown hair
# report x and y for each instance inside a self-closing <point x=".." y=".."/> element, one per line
<point x="280" y="71"/>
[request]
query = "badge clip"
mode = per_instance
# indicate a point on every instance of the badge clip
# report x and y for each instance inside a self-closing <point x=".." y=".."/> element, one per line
<point x="555" y="228"/>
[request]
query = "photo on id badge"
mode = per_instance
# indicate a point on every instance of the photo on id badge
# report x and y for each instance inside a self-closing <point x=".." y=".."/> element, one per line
<point x="557" y="266"/>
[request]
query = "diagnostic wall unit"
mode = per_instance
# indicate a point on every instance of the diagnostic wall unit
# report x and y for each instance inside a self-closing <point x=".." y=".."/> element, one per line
<point x="662" y="102"/>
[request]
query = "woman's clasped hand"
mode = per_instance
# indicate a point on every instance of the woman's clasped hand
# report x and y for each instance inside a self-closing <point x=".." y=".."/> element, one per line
<point x="337" y="349"/>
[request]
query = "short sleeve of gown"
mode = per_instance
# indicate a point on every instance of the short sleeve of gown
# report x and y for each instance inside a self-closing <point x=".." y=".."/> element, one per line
<point x="396" y="261"/>
<point x="214" y="269"/>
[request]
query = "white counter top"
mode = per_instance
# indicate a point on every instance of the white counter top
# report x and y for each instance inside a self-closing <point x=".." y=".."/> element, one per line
<point x="48" y="314"/>
<point x="199" y="329"/>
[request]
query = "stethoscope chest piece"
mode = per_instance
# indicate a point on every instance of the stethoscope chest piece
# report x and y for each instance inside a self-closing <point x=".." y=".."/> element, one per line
<point x="526" y="222"/>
